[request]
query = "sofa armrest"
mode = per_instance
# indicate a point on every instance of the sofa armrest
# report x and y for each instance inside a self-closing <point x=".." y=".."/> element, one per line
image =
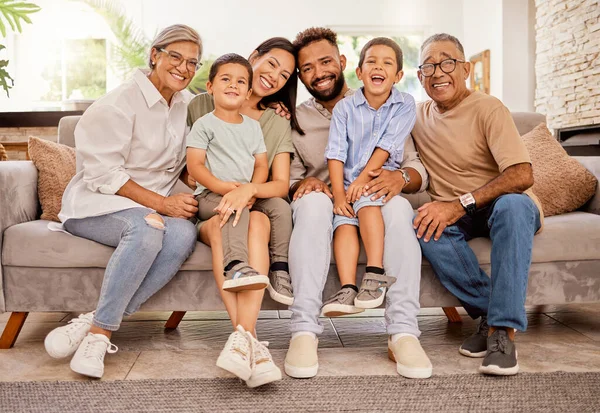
<point x="592" y="163"/>
<point x="18" y="201"/>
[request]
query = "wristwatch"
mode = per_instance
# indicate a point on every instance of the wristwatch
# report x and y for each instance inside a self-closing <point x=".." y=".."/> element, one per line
<point x="406" y="177"/>
<point x="468" y="203"/>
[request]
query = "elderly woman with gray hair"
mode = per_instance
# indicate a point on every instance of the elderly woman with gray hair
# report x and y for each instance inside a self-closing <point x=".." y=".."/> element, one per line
<point x="130" y="153"/>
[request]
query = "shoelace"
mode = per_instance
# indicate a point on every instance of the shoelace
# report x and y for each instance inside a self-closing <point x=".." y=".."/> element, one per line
<point x="260" y="353"/>
<point x="500" y="341"/>
<point x="241" y="344"/>
<point x="75" y="323"/>
<point x="96" y="348"/>
<point x="483" y="327"/>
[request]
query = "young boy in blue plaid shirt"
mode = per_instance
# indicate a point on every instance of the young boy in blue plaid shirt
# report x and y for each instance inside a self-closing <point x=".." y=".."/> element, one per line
<point x="368" y="131"/>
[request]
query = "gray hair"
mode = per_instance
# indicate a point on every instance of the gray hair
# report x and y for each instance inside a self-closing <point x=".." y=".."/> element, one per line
<point x="444" y="37"/>
<point x="176" y="33"/>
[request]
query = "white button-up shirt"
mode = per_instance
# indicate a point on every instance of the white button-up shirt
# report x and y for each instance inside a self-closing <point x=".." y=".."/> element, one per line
<point x="130" y="133"/>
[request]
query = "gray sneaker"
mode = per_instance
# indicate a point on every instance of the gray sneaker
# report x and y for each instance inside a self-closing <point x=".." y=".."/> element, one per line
<point x="341" y="303"/>
<point x="476" y="345"/>
<point x="243" y="277"/>
<point x="501" y="357"/>
<point x="280" y="287"/>
<point x="372" y="290"/>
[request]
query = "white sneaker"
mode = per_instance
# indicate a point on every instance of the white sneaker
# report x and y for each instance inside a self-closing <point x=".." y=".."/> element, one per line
<point x="89" y="357"/>
<point x="264" y="369"/>
<point x="64" y="341"/>
<point x="235" y="356"/>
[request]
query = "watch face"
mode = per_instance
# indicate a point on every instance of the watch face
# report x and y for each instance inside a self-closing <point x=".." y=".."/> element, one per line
<point x="467" y="199"/>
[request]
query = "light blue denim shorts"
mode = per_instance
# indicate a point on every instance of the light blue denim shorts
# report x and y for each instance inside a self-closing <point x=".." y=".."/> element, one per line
<point x="364" y="201"/>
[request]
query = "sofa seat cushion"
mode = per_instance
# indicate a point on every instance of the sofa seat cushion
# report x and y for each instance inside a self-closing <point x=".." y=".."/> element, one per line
<point x="32" y="244"/>
<point x="574" y="236"/>
<point x="569" y="237"/>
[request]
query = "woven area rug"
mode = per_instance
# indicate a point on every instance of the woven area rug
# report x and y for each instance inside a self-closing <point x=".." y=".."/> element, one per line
<point x="551" y="392"/>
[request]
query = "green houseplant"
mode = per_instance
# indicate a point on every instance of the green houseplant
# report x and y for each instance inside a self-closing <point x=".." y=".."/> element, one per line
<point x="12" y="12"/>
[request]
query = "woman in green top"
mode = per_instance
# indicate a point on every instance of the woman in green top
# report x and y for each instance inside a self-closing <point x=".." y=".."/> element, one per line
<point x="275" y="81"/>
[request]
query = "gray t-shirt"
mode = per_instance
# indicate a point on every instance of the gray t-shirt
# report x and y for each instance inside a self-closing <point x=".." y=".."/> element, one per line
<point x="230" y="147"/>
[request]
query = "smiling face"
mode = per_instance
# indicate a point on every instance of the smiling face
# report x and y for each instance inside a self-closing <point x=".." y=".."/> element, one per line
<point x="230" y="86"/>
<point x="167" y="77"/>
<point x="446" y="89"/>
<point x="321" y="70"/>
<point x="271" y="71"/>
<point x="379" y="71"/>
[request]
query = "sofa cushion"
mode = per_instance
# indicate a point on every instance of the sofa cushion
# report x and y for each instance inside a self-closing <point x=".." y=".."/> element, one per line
<point x="560" y="182"/>
<point x="570" y="237"/>
<point x="56" y="166"/>
<point x="32" y="244"/>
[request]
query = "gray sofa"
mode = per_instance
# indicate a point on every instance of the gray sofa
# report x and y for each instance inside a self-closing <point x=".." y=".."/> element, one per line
<point x="42" y="270"/>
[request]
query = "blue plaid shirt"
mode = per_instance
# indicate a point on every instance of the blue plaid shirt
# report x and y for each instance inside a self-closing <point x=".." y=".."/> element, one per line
<point x="357" y="129"/>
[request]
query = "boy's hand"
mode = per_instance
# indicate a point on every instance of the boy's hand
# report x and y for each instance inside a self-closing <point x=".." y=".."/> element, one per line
<point x="341" y="206"/>
<point x="356" y="189"/>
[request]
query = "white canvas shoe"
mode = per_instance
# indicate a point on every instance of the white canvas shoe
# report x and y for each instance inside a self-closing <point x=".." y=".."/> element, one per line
<point x="63" y="341"/>
<point x="264" y="370"/>
<point x="89" y="357"/>
<point x="236" y="355"/>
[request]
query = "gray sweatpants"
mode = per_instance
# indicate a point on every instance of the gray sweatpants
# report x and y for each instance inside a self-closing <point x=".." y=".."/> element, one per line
<point x="310" y="255"/>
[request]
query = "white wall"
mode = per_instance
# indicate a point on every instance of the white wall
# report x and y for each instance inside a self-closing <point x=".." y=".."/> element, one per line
<point x="483" y="30"/>
<point x="507" y="29"/>
<point x="239" y="26"/>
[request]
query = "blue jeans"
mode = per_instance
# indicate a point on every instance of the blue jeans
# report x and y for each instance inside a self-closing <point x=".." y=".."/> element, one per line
<point x="510" y="222"/>
<point x="145" y="259"/>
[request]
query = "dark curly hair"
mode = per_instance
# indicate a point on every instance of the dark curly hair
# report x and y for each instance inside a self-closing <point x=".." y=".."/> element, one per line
<point x="314" y="34"/>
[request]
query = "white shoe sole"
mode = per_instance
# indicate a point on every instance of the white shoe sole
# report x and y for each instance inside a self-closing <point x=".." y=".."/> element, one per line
<point x="371" y="303"/>
<point x="87" y="370"/>
<point x="467" y="353"/>
<point x="499" y="371"/>
<point x="280" y="298"/>
<point x="263" y="378"/>
<point x="254" y="282"/>
<point x="410" y="372"/>
<point x="301" y="372"/>
<point x="337" y="310"/>
<point x="242" y="371"/>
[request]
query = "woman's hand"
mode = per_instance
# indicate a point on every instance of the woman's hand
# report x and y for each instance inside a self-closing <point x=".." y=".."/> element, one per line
<point x="179" y="206"/>
<point x="235" y="201"/>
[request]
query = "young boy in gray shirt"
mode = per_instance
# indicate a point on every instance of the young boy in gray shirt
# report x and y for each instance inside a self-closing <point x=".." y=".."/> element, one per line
<point x="226" y="149"/>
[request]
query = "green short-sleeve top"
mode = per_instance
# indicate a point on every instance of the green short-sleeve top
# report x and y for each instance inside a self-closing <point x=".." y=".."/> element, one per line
<point x="276" y="130"/>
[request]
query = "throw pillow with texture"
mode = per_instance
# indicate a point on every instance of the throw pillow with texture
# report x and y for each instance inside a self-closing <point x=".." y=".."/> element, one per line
<point x="561" y="183"/>
<point x="56" y="166"/>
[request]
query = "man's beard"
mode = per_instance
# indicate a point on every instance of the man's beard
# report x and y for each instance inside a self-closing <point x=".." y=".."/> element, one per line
<point x="331" y="94"/>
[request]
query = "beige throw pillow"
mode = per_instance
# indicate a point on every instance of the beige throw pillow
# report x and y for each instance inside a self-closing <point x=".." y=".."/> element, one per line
<point x="560" y="182"/>
<point x="56" y="166"/>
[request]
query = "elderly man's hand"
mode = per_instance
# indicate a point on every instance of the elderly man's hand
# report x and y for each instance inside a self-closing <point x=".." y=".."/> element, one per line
<point x="310" y="184"/>
<point x="384" y="183"/>
<point x="434" y="217"/>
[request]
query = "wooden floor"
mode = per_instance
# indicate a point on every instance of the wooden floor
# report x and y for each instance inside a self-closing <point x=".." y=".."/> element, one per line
<point x="563" y="338"/>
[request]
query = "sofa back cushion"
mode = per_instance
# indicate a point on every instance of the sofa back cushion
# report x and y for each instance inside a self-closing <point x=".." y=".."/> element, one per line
<point x="56" y="166"/>
<point x="561" y="183"/>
